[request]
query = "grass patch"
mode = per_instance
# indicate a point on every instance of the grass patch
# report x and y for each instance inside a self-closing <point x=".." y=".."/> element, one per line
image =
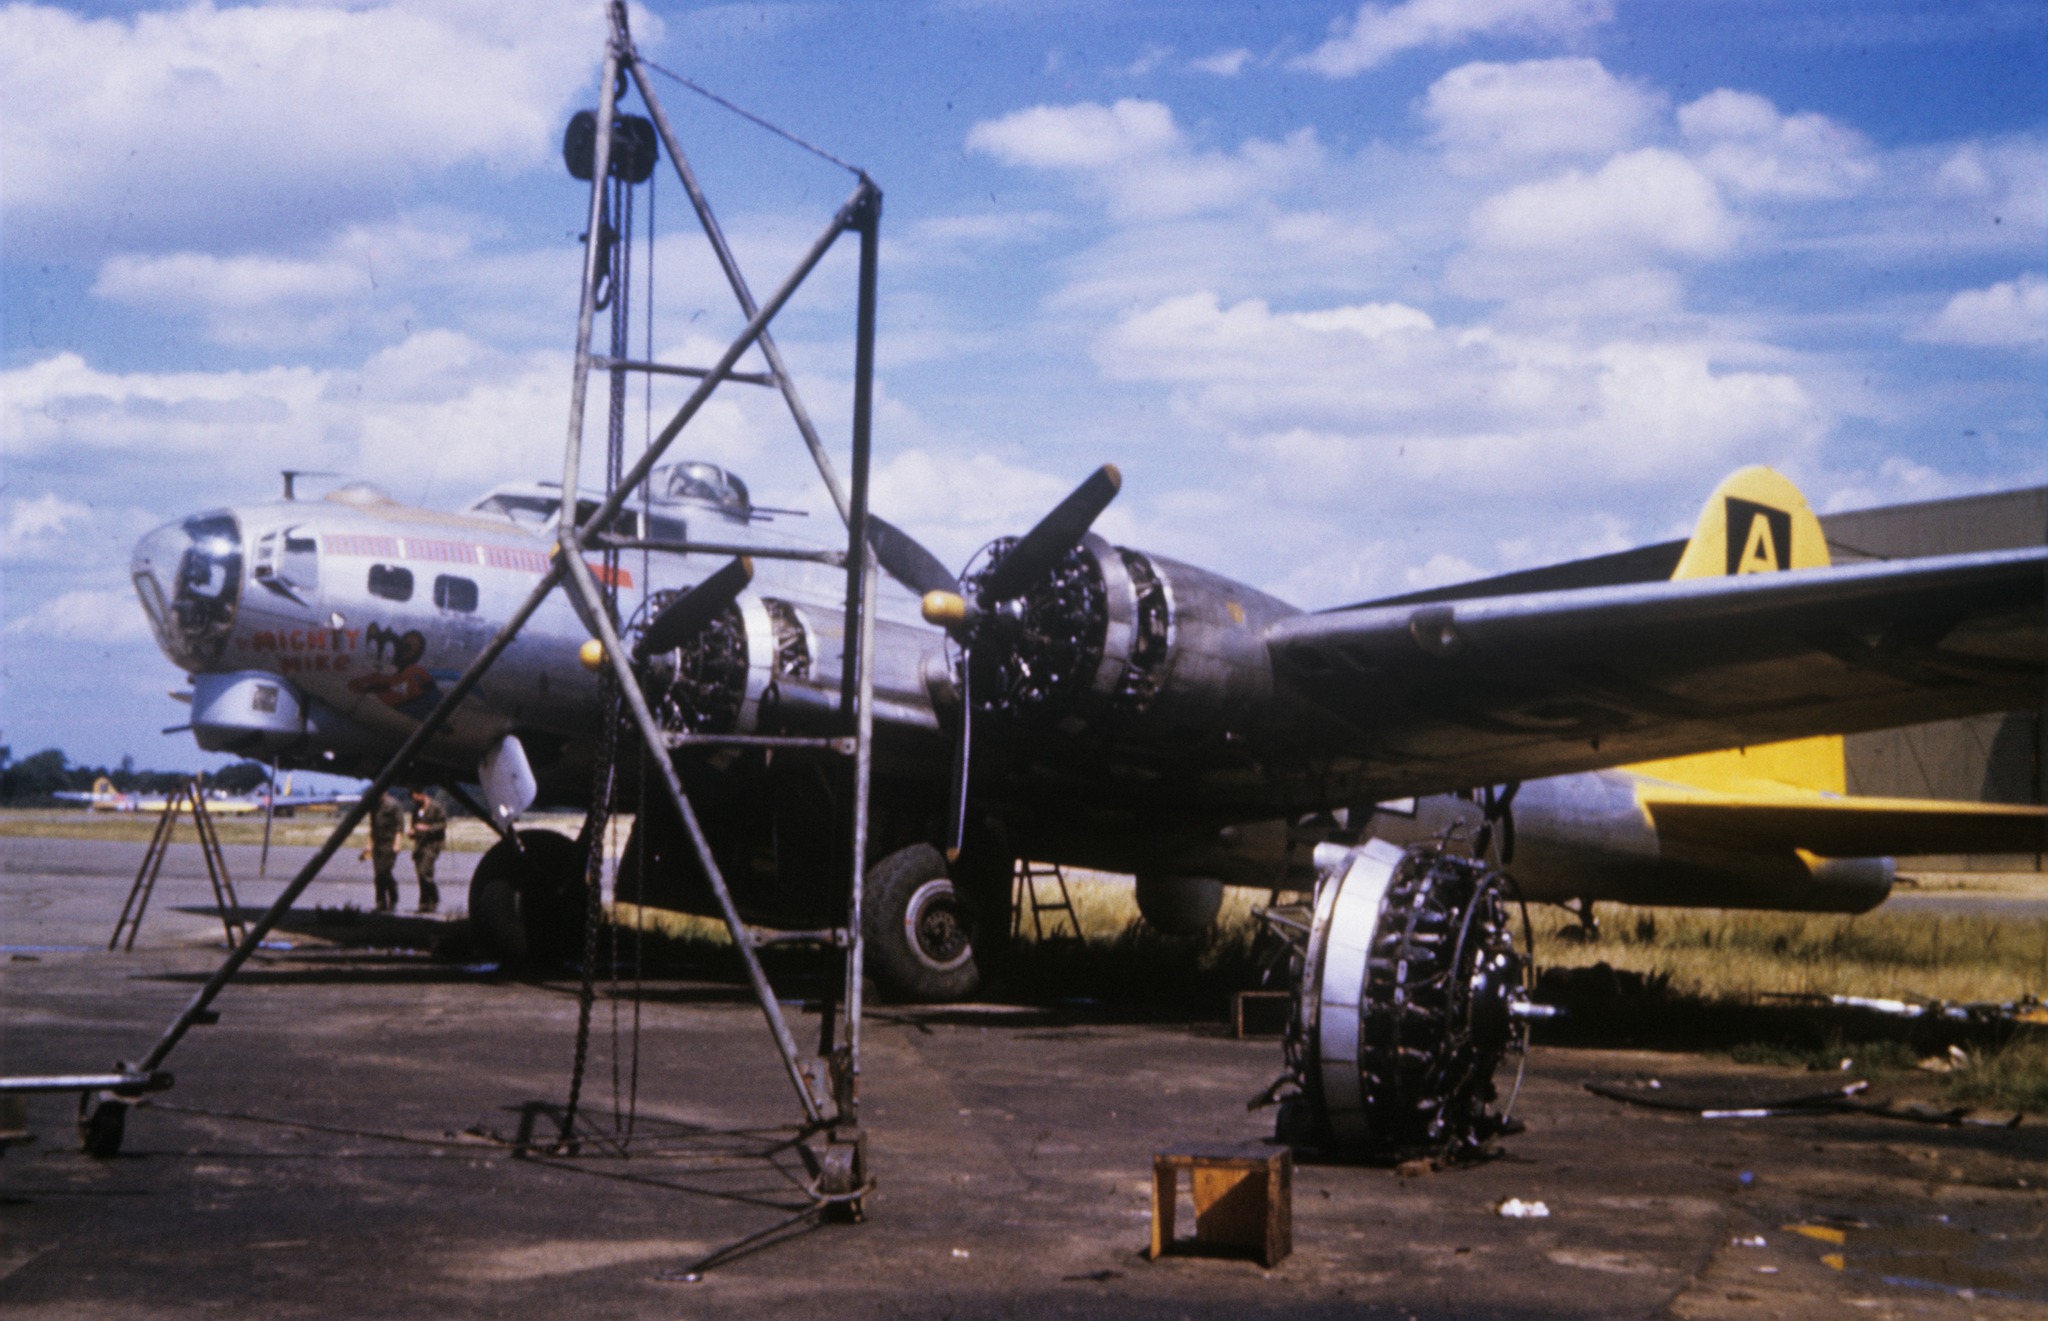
<point x="1703" y="979"/>
<point x="306" y="829"/>
<point x="2013" y="1076"/>
<point x="1725" y="954"/>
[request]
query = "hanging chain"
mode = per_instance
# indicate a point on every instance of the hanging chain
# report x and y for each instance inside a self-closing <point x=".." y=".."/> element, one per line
<point x="609" y="697"/>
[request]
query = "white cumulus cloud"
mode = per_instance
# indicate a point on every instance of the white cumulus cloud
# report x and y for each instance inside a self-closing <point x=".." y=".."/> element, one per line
<point x="1487" y="115"/>
<point x="87" y="614"/>
<point x="1645" y="203"/>
<point x="274" y="300"/>
<point x="1747" y="144"/>
<point x="2009" y="314"/>
<point x="34" y="525"/>
<point x="1136" y="155"/>
<point x="185" y="123"/>
<point x="1378" y="32"/>
<point x="1341" y="393"/>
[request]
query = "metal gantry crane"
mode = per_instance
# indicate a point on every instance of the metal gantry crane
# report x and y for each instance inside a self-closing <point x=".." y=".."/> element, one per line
<point x="827" y="1085"/>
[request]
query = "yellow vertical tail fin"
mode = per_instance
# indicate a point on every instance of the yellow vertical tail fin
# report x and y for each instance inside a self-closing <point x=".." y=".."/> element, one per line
<point x="1756" y="521"/>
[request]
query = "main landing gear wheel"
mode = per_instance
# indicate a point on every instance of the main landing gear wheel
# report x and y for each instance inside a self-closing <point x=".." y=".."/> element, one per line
<point x="1408" y="997"/>
<point x="526" y="900"/>
<point x="920" y="935"/>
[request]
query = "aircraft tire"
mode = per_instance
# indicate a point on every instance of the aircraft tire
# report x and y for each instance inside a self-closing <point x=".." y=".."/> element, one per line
<point x="526" y="902"/>
<point x="1178" y="905"/>
<point x="920" y="935"/>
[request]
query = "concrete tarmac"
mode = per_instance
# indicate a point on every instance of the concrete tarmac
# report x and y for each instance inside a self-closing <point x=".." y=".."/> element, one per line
<point x="338" y="1146"/>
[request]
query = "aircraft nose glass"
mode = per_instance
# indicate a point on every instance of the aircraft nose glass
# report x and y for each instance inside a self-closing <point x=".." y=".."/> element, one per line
<point x="189" y="576"/>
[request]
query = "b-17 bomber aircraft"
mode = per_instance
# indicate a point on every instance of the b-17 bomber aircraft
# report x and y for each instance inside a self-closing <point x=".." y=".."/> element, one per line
<point x="1071" y="701"/>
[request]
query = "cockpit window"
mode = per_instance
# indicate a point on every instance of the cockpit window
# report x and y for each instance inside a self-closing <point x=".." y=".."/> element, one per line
<point x="189" y="576"/>
<point x="540" y="511"/>
<point x="287" y="563"/>
<point x="526" y="510"/>
<point x="625" y="523"/>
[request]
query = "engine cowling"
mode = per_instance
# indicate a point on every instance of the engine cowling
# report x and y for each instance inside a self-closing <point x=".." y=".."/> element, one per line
<point x="1178" y="905"/>
<point x="715" y="684"/>
<point x="1139" y="647"/>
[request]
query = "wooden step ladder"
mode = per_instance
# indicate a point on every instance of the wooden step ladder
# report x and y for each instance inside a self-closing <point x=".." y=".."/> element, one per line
<point x="1030" y="875"/>
<point x="191" y="795"/>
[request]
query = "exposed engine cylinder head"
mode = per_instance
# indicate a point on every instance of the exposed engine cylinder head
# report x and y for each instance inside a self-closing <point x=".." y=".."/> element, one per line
<point x="700" y="687"/>
<point x="1163" y="657"/>
<point x="1048" y="642"/>
<point x="1406" y="1000"/>
<point x="716" y="682"/>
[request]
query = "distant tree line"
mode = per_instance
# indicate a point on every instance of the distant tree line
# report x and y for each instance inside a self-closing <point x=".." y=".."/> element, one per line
<point x="37" y="777"/>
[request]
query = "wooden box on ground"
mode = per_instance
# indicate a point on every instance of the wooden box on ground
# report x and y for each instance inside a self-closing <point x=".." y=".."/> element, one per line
<point x="1243" y="1195"/>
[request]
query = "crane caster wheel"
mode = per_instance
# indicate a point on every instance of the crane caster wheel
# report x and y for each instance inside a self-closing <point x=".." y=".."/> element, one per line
<point x="102" y="1122"/>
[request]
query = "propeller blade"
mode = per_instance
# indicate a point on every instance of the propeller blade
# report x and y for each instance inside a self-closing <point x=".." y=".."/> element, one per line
<point x="909" y="563"/>
<point x="1056" y="534"/>
<point x="963" y="751"/>
<point x="683" y="618"/>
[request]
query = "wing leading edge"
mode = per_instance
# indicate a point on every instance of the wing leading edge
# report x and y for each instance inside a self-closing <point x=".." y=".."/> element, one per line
<point x="1420" y="698"/>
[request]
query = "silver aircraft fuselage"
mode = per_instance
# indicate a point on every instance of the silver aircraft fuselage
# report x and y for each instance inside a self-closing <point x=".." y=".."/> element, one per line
<point x="320" y="632"/>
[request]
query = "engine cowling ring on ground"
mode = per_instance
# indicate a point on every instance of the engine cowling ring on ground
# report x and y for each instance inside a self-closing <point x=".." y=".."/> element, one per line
<point x="1403" y="1007"/>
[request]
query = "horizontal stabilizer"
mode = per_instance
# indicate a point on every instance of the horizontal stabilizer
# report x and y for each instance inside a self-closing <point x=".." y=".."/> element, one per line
<point x="1849" y="827"/>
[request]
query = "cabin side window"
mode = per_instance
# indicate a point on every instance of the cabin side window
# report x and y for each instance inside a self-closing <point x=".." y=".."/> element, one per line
<point x="393" y="582"/>
<point x="453" y="593"/>
<point x="288" y="561"/>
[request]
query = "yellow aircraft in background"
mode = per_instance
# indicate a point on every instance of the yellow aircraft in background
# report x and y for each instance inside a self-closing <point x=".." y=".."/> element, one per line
<point x="104" y="797"/>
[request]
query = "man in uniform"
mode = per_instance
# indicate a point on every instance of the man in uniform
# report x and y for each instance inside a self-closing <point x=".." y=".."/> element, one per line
<point x="387" y="823"/>
<point x="429" y="829"/>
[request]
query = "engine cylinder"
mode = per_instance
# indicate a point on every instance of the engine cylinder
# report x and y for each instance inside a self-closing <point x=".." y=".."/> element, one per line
<point x="1139" y="647"/>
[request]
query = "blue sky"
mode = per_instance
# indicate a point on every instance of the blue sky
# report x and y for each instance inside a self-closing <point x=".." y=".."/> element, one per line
<point x="1360" y="298"/>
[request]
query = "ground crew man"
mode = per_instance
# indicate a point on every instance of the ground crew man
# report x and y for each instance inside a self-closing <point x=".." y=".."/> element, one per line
<point x="429" y="829"/>
<point x="387" y="823"/>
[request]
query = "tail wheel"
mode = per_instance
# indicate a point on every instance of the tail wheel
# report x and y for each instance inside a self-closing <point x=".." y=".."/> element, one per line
<point x="919" y="932"/>
<point x="527" y="902"/>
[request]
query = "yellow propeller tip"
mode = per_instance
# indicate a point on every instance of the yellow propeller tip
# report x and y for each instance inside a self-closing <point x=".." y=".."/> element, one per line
<point x="1115" y="475"/>
<point x="943" y="608"/>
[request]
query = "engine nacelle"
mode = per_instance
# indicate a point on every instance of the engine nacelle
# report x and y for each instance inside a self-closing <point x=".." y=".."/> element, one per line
<point x="1145" y="649"/>
<point x="771" y="664"/>
<point x="715" y="684"/>
<point x="1179" y="905"/>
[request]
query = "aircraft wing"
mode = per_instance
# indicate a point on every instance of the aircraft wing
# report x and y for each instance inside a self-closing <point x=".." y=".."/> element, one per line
<point x="1410" y="699"/>
<point x="1848" y="827"/>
